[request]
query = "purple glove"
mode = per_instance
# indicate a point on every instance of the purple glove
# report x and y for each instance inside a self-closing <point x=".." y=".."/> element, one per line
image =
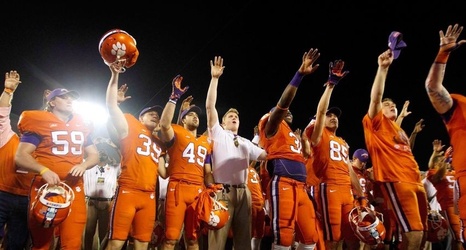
<point x="177" y="91"/>
<point x="335" y="72"/>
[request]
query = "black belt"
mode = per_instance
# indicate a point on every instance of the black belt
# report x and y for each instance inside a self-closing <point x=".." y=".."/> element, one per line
<point x="100" y="199"/>
<point x="226" y="187"/>
<point x="242" y="185"/>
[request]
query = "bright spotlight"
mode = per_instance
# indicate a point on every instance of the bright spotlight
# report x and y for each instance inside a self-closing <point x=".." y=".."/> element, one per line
<point x="93" y="112"/>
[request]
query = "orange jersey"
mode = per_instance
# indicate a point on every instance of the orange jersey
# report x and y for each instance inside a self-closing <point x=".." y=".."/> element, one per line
<point x="388" y="146"/>
<point x="363" y="181"/>
<point x="264" y="176"/>
<point x="311" y="178"/>
<point x="284" y="144"/>
<point x="330" y="158"/>
<point x="12" y="181"/>
<point x="445" y="188"/>
<point x="62" y="143"/>
<point x="254" y="185"/>
<point x="457" y="133"/>
<point x="187" y="155"/>
<point x="139" y="157"/>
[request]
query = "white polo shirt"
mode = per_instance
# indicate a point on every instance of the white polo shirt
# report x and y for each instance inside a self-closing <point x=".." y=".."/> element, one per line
<point x="230" y="162"/>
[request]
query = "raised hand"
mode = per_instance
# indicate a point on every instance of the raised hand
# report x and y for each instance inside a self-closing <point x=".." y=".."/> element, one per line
<point x="404" y="111"/>
<point x="216" y="67"/>
<point x="117" y="67"/>
<point x="438" y="146"/>
<point x="419" y="126"/>
<point x="336" y="72"/>
<point x="385" y="59"/>
<point x="448" y="40"/>
<point x="186" y="103"/>
<point x="177" y="91"/>
<point x="12" y="80"/>
<point x="121" y="94"/>
<point x="309" y="58"/>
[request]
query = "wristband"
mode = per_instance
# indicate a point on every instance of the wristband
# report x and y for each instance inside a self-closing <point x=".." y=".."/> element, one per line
<point x="333" y="79"/>
<point x="44" y="170"/>
<point x="297" y="78"/>
<point x="281" y="108"/>
<point x="9" y="91"/>
<point x="442" y="57"/>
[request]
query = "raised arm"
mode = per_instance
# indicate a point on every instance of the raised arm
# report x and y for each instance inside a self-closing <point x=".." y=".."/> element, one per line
<point x="278" y="114"/>
<point x="185" y="104"/>
<point x="417" y="128"/>
<point x="336" y="73"/>
<point x="11" y="83"/>
<point x="438" y="94"/>
<point x="216" y="70"/>
<point x="437" y="152"/>
<point x="404" y="112"/>
<point x="116" y="116"/>
<point x="166" y="129"/>
<point x="378" y="86"/>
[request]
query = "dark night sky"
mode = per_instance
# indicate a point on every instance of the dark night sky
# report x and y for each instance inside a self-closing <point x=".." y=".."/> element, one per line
<point x="262" y="44"/>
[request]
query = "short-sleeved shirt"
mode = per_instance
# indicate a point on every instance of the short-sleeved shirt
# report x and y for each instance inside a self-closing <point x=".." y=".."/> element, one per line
<point x="390" y="151"/>
<point x="230" y="162"/>
<point x="62" y="142"/>
<point x="139" y="157"/>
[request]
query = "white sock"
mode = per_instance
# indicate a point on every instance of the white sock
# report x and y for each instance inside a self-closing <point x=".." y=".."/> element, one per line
<point x="255" y="243"/>
<point x="302" y="246"/>
<point x="278" y="247"/>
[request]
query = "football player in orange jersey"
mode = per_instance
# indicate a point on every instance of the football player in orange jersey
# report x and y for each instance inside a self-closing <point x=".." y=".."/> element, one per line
<point x="14" y="183"/>
<point x="188" y="169"/>
<point x="442" y="175"/>
<point x="134" y="207"/>
<point x="332" y="166"/>
<point x="291" y="209"/>
<point x="451" y="107"/>
<point x="395" y="169"/>
<point x="258" y="210"/>
<point x="54" y="143"/>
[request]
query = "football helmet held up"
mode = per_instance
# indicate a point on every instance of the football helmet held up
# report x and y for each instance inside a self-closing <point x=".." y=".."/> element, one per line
<point x="116" y="45"/>
<point x="367" y="225"/>
<point x="52" y="204"/>
<point x="437" y="226"/>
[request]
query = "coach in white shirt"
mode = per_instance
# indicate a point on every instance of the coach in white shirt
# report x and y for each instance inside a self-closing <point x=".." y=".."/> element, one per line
<point x="231" y="155"/>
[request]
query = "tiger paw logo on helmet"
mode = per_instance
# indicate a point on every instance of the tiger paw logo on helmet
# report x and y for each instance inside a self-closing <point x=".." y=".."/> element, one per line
<point x="437" y="226"/>
<point x="214" y="219"/>
<point x="118" y="45"/>
<point x="52" y="204"/>
<point x="218" y="215"/>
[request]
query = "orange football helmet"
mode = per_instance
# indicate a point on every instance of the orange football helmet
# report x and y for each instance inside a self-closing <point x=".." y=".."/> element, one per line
<point x="219" y="215"/>
<point x="437" y="226"/>
<point x="367" y="225"/>
<point x="52" y="204"/>
<point x="116" y="45"/>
